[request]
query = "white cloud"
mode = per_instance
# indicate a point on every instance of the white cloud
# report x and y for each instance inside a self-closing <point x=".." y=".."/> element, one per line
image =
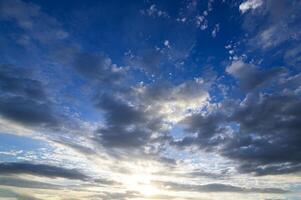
<point x="236" y="67"/>
<point x="215" y="30"/>
<point x="250" y="4"/>
<point x="167" y="44"/>
<point x="154" y="11"/>
<point x="174" y="103"/>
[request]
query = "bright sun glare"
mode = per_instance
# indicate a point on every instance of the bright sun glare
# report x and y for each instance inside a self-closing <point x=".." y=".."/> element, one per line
<point x="142" y="183"/>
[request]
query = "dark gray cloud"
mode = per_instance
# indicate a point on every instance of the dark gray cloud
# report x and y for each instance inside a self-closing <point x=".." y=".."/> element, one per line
<point x="208" y="129"/>
<point x="26" y="111"/>
<point x="218" y="187"/>
<point x="269" y="138"/>
<point x="126" y="125"/>
<point x="250" y="76"/>
<point x="16" y="80"/>
<point x="266" y="138"/>
<point x="136" y="118"/>
<point x="223" y="174"/>
<point x="40" y="170"/>
<point x="120" y="137"/>
<point x="97" y="67"/>
<point x="118" y="112"/>
<point x="24" y="99"/>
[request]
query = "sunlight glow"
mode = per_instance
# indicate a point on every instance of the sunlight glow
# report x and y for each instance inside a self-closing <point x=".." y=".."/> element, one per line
<point x="142" y="183"/>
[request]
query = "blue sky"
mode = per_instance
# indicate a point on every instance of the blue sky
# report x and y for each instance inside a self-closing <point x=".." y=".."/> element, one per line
<point x="150" y="99"/>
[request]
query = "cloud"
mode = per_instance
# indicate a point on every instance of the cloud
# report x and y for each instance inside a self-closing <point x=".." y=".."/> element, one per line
<point x="261" y="133"/>
<point x="269" y="135"/>
<point x="118" y="195"/>
<point x="218" y="187"/>
<point x="293" y="56"/>
<point x="215" y="30"/>
<point x="120" y="137"/>
<point x="153" y="11"/>
<point x="142" y="114"/>
<point x="250" y="76"/>
<point x="37" y="24"/>
<point x="208" y="128"/>
<point x="24" y="99"/>
<point x="174" y="101"/>
<point x="126" y="125"/>
<point x="119" y="112"/>
<point x="16" y="80"/>
<point x="23" y="183"/>
<point x="9" y="194"/>
<point x="97" y="67"/>
<point x="26" y="111"/>
<point x="249" y="5"/>
<point x="280" y="23"/>
<point x="40" y="170"/>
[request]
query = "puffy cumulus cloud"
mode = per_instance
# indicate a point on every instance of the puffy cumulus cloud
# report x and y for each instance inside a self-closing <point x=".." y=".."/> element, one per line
<point x="40" y="170"/>
<point x="24" y="99"/>
<point x="143" y="115"/>
<point x="119" y="112"/>
<point x="261" y="133"/>
<point x="174" y="102"/>
<point x="126" y="126"/>
<point x="209" y="131"/>
<point x="268" y="140"/>
<point x="250" y="4"/>
<point x="250" y="76"/>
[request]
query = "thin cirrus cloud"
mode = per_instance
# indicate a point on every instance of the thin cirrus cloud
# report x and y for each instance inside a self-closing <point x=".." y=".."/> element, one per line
<point x="150" y="100"/>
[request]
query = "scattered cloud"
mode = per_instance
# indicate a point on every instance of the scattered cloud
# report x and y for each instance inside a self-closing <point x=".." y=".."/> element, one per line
<point x="150" y="100"/>
<point x="250" y="76"/>
<point x="24" y="99"/>
<point x="249" y="5"/>
<point x="40" y="170"/>
<point x="216" y="187"/>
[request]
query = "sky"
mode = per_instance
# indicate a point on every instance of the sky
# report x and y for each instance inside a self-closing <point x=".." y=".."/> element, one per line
<point x="150" y="100"/>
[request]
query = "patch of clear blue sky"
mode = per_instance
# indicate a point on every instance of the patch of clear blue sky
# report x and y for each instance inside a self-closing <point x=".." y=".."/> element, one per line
<point x="16" y="143"/>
